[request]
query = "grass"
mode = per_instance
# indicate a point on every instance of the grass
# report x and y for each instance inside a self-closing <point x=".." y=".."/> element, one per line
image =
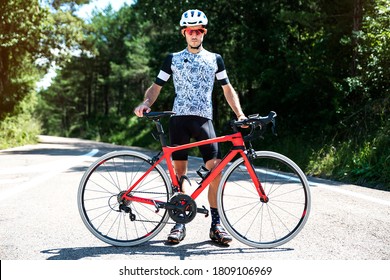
<point x="366" y="163"/>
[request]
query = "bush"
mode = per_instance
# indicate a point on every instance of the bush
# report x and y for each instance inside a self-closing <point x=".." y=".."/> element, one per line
<point x="22" y="127"/>
<point x="365" y="163"/>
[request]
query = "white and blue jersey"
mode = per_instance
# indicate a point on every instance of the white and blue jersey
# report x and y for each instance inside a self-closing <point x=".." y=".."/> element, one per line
<point x="193" y="78"/>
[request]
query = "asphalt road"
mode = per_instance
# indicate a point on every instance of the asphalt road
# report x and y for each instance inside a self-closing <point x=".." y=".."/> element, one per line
<point x="39" y="218"/>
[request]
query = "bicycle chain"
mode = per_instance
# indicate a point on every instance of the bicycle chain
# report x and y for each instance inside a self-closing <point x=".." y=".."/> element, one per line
<point x="147" y="221"/>
<point x="148" y="192"/>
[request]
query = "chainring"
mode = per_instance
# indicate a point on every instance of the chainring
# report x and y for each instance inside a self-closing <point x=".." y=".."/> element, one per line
<point x="181" y="208"/>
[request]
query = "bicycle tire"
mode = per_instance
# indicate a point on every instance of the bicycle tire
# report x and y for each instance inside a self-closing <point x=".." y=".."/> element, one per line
<point x="98" y="202"/>
<point x="253" y="222"/>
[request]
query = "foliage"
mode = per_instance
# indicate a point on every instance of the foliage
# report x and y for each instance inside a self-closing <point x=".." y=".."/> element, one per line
<point x="22" y="127"/>
<point x="359" y="150"/>
<point x="368" y="165"/>
<point x="322" y="66"/>
<point x="31" y="37"/>
<point x="95" y="88"/>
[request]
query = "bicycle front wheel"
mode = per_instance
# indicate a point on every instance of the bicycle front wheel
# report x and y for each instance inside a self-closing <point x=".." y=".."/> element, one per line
<point x="264" y="224"/>
<point x="117" y="222"/>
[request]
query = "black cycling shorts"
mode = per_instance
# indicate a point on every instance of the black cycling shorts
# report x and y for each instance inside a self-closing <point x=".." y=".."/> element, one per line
<point x="183" y="128"/>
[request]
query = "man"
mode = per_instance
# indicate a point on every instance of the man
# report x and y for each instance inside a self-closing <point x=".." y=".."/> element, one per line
<point x="194" y="70"/>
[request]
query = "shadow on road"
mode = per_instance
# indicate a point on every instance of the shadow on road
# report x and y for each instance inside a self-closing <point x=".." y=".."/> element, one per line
<point x="154" y="249"/>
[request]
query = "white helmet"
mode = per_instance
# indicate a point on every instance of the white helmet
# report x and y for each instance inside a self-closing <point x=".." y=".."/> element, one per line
<point x="193" y="17"/>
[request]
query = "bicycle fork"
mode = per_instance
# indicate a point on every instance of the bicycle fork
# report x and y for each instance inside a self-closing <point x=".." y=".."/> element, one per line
<point x="251" y="170"/>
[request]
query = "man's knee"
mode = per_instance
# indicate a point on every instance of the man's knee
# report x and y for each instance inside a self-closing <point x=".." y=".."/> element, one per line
<point x="210" y="164"/>
<point x="180" y="167"/>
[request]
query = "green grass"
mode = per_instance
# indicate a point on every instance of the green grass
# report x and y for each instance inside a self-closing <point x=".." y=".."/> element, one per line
<point x="366" y="163"/>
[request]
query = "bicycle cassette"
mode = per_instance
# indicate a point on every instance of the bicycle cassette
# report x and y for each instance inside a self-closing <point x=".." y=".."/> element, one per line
<point x="181" y="208"/>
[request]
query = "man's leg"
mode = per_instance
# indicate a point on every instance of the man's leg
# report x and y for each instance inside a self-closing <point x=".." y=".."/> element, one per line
<point x="178" y="232"/>
<point x="181" y="167"/>
<point x="213" y="188"/>
<point x="217" y="232"/>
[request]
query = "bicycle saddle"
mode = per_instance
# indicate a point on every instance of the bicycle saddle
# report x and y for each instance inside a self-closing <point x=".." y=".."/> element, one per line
<point x="157" y="115"/>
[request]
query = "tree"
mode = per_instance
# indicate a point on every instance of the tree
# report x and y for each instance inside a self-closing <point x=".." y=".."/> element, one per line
<point x="322" y="65"/>
<point x="94" y="93"/>
<point x="31" y="37"/>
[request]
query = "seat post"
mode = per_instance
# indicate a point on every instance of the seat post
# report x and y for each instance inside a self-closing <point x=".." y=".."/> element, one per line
<point x="160" y="131"/>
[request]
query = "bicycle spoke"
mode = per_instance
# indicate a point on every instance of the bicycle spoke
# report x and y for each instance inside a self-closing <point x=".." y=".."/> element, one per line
<point x="258" y="223"/>
<point x="100" y="199"/>
<point x="284" y="210"/>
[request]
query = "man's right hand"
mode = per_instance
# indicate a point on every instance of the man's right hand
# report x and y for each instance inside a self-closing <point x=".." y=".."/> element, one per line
<point x="150" y="96"/>
<point x="141" y="109"/>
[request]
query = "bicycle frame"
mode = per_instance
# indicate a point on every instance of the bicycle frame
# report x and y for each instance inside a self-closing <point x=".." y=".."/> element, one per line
<point x="123" y="187"/>
<point x="238" y="148"/>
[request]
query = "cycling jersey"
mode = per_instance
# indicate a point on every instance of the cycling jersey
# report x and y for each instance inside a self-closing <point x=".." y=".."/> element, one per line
<point x="193" y="78"/>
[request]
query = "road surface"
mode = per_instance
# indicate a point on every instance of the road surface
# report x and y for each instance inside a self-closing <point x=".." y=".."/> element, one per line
<point x="39" y="218"/>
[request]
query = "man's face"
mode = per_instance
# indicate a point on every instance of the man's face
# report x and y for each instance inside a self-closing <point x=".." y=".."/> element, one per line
<point x="194" y="35"/>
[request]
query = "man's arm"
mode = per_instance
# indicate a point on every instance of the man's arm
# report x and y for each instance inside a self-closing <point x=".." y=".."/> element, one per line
<point x="150" y="97"/>
<point x="233" y="100"/>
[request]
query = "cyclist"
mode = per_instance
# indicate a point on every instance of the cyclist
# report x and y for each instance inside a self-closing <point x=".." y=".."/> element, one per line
<point x="194" y="70"/>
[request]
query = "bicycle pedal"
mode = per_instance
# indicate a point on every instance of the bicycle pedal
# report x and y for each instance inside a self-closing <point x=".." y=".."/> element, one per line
<point x="203" y="210"/>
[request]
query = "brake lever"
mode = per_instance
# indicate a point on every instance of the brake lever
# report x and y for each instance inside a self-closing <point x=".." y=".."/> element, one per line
<point x="274" y="127"/>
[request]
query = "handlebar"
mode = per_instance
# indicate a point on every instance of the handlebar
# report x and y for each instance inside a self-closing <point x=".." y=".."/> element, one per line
<point x="253" y="121"/>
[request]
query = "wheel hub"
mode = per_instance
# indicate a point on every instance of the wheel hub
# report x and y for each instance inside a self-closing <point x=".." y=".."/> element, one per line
<point x="264" y="199"/>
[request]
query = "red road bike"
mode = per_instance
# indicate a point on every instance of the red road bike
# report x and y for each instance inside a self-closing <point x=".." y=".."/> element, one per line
<point x="126" y="198"/>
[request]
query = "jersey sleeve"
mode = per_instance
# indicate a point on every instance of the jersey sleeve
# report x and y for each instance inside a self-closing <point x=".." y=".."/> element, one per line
<point x="165" y="71"/>
<point x="221" y="74"/>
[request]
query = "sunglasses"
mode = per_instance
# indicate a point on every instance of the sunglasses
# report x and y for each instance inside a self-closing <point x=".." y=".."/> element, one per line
<point x="190" y="31"/>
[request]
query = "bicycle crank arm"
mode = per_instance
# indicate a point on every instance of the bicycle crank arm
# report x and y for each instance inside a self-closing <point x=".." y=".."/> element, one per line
<point x="170" y="206"/>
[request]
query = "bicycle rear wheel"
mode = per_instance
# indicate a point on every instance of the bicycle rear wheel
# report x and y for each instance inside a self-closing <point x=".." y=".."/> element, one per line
<point x="99" y="200"/>
<point x="256" y="223"/>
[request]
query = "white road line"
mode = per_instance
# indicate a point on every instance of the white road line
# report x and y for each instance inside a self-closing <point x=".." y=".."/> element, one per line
<point x="333" y="189"/>
<point x="54" y="171"/>
<point x="351" y="193"/>
<point x="12" y="181"/>
<point x="42" y="167"/>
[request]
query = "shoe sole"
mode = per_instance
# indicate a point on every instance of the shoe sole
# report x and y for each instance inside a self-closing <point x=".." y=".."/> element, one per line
<point x="222" y="242"/>
<point x="175" y="241"/>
